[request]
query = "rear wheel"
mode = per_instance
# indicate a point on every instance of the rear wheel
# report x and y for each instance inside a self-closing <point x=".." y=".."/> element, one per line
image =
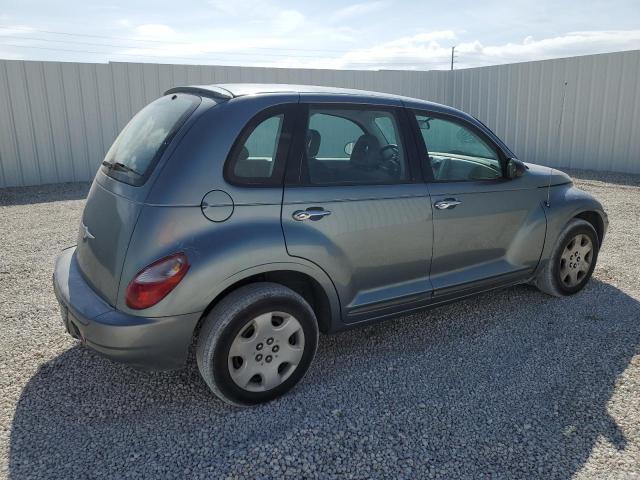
<point x="257" y="343"/>
<point x="572" y="260"/>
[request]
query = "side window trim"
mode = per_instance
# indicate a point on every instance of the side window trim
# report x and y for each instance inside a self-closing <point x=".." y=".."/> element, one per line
<point x="294" y="170"/>
<point x="282" y="149"/>
<point x="416" y="147"/>
<point x="423" y="151"/>
<point x="293" y="173"/>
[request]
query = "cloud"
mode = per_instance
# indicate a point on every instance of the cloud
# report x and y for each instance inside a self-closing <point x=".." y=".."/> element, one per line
<point x="288" y="20"/>
<point x="247" y="8"/>
<point x="13" y="30"/>
<point x="124" y="23"/>
<point x="422" y="51"/>
<point x="260" y="15"/>
<point x="567" y="45"/>
<point x="426" y="50"/>
<point x="433" y="36"/>
<point x="271" y="37"/>
<point x="357" y="10"/>
<point x="432" y="50"/>
<point x="154" y="30"/>
<point x="264" y="27"/>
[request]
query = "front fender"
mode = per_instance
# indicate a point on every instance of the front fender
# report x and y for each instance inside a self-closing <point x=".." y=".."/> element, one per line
<point x="567" y="202"/>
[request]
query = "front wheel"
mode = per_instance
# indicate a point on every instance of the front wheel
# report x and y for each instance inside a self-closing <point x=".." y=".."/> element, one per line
<point x="572" y="260"/>
<point x="257" y="343"/>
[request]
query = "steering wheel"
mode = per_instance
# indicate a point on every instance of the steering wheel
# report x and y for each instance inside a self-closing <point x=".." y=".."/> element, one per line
<point x="390" y="155"/>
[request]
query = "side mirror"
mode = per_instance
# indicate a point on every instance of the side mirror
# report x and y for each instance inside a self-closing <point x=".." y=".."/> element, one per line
<point x="515" y="168"/>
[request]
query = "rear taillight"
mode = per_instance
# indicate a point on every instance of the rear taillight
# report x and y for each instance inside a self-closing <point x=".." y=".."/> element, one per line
<point x="154" y="282"/>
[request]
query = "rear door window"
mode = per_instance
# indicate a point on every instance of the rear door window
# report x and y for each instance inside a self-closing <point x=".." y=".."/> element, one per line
<point x="356" y="145"/>
<point x="135" y="152"/>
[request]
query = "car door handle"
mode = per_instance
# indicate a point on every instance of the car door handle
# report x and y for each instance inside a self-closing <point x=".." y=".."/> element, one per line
<point x="447" y="203"/>
<point x="310" y="214"/>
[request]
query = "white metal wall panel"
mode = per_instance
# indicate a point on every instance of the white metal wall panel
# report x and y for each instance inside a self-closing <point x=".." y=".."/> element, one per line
<point x="9" y="156"/>
<point x="23" y="128"/>
<point x="122" y="97"/>
<point x="58" y="124"/>
<point x="106" y="105"/>
<point x="42" y="138"/>
<point x="58" y="119"/>
<point x="77" y="123"/>
<point x="91" y="114"/>
<point x="523" y="103"/>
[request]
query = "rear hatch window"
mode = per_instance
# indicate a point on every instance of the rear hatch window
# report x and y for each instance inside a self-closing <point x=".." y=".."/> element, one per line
<point x="135" y="152"/>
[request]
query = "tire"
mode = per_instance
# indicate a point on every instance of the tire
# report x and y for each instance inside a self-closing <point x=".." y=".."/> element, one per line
<point x="255" y="320"/>
<point x="552" y="279"/>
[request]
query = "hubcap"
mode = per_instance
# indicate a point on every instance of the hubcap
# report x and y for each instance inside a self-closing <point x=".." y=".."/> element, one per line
<point x="266" y="351"/>
<point x="576" y="259"/>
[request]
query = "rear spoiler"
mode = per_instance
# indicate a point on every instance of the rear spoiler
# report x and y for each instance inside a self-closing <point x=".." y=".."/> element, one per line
<point x="203" y="90"/>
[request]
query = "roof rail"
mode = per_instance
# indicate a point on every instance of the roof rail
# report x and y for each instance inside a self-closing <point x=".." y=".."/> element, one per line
<point x="203" y="91"/>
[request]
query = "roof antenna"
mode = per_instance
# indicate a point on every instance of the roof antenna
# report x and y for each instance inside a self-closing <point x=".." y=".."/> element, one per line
<point x="564" y="90"/>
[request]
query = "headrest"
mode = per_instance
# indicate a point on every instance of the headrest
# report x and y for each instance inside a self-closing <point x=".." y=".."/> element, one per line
<point x="313" y="143"/>
<point x="366" y="152"/>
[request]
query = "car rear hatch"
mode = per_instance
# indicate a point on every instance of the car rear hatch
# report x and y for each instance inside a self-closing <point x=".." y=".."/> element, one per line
<point x="120" y="187"/>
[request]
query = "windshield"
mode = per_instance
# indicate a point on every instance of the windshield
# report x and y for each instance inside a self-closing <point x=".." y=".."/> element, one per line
<point x="133" y="155"/>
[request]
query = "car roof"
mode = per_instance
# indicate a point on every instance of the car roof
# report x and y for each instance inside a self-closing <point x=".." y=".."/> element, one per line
<point x="228" y="91"/>
<point x="233" y="90"/>
<point x="240" y="89"/>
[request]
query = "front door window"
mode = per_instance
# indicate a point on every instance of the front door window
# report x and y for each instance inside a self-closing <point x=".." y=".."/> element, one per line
<point x="456" y="153"/>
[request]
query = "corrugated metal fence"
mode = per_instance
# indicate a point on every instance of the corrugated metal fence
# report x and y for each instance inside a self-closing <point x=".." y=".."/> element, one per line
<point x="592" y="122"/>
<point x="58" y="119"/>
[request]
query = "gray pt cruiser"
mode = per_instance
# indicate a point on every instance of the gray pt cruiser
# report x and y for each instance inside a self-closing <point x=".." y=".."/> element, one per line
<point x="245" y="219"/>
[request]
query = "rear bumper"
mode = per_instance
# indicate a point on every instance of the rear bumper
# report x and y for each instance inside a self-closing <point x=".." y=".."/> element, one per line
<point x="148" y="343"/>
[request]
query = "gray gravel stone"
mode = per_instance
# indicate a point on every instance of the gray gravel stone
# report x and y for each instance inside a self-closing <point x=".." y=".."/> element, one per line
<point x="510" y="384"/>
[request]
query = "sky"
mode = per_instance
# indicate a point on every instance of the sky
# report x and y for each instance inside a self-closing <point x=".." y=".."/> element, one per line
<point x="378" y="34"/>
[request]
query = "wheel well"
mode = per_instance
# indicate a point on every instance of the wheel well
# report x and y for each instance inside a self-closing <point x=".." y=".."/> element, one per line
<point x="299" y="282"/>
<point x="594" y="219"/>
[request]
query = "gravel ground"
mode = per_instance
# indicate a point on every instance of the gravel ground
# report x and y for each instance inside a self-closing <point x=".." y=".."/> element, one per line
<point x="509" y="384"/>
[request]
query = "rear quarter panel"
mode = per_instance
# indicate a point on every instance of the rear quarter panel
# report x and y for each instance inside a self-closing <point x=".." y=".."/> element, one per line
<point x="250" y="241"/>
<point x="220" y="254"/>
<point x="215" y="250"/>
